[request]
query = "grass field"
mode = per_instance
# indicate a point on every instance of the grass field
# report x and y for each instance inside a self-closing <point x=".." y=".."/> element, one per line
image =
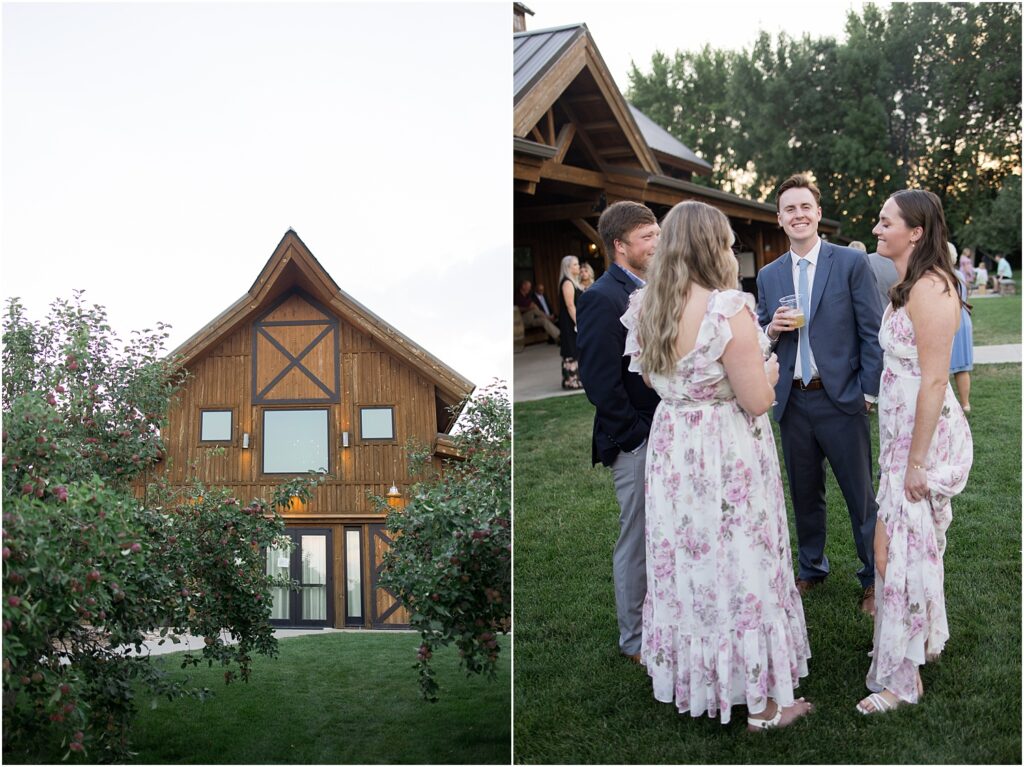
<point x="338" y="698"/>
<point x="578" y="701"/>
<point x="996" y="320"/>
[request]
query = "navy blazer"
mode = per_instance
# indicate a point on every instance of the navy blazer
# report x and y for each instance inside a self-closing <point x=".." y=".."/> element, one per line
<point x="844" y="320"/>
<point x="625" y="404"/>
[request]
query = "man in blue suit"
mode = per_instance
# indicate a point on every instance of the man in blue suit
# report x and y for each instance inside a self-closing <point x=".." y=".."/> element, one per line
<point x="624" y="403"/>
<point x="830" y="371"/>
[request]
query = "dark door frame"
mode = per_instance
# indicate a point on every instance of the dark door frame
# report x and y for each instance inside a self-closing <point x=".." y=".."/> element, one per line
<point x="295" y="570"/>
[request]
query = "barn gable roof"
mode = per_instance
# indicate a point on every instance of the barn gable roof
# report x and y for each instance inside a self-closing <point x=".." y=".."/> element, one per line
<point x="292" y="265"/>
<point x="563" y="64"/>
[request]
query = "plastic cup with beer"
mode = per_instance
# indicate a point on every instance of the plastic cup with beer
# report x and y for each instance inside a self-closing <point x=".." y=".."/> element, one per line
<point x="792" y="305"/>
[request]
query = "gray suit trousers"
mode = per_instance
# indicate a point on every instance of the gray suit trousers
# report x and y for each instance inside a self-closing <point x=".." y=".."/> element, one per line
<point x="629" y="559"/>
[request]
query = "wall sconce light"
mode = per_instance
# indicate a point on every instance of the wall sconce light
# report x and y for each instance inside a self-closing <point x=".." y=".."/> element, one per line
<point x="344" y="439"/>
<point x="245" y="441"/>
<point x="394" y="496"/>
<point x="591" y="248"/>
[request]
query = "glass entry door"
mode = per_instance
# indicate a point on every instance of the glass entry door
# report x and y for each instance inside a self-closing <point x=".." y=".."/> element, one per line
<point x="308" y="561"/>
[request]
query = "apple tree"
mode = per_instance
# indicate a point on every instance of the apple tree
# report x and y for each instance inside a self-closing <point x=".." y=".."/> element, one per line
<point x="92" y="565"/>
<point x="450" y="561"/>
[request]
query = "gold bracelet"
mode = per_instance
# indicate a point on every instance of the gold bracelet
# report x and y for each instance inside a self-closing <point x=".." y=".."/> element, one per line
<point x="916" y="466"/>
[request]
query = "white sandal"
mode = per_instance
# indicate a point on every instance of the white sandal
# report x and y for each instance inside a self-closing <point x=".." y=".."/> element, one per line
<point x="756" y="725"/>
<point x="881" y="704"/>
<point x="766" y="724"/>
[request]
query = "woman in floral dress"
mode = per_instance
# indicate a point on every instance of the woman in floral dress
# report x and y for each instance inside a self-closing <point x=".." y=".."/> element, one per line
<point x="723" y="624"/>
<point x="925" y="449"/>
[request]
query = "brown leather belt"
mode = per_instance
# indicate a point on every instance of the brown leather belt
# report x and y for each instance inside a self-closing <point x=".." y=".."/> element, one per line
<point x="814" y="385"/>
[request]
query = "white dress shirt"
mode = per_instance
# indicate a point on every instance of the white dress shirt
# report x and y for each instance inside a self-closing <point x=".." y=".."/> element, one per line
<point x="812" y="259"/>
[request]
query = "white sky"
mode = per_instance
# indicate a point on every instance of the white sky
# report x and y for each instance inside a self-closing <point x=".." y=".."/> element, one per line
<point x="155" y="155"/>
<point x="635" y="30"/>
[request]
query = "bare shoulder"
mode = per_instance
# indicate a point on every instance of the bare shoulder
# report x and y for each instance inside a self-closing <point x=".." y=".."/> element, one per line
<point x="932" y="287"/>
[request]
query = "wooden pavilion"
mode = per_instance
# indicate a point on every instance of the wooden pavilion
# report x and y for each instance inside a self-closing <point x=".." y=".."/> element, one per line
<point x="296" y="375"/>
<point x="579" y="146"/>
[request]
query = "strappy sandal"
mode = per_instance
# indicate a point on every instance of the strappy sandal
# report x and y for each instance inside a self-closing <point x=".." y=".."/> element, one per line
<point x="883" y="705"/>
<point x="759" y="725"/>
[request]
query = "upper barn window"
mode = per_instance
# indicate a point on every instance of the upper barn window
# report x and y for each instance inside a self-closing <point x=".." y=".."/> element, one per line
<point x="377" y="423"/>
<point x="215" y="425"/>
<point x="295" y="441"/>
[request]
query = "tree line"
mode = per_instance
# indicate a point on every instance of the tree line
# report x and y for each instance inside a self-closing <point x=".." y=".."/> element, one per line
<point x="918" y="95"/>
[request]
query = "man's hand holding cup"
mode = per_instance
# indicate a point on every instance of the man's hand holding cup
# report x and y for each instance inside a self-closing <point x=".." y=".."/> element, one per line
<point x="789" y="316"/>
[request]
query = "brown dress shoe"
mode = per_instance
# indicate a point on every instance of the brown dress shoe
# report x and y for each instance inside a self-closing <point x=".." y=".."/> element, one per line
<point x="867" y="600"/>
<point x="803" y="585"/>
<point x="634" y="658"/>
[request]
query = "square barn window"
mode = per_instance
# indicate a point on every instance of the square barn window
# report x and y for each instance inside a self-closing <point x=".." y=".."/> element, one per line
<point x="377" y="423"/>
<point x="295" y="441"/>
<point x="215" y="426"/>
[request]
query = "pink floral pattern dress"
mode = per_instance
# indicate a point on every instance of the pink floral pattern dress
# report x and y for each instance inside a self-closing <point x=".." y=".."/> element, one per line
<point x="910" y="622"/>
<point x="723" y="623"/>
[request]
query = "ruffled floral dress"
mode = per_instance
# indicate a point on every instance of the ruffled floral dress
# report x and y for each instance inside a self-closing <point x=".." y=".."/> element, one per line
<point x="910" y="622"/>
<point x="723" y="623"/>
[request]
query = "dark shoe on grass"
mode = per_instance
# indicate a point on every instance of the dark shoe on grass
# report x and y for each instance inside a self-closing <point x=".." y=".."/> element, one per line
<point x="804" y="585"/>
<point x="867" y="600"/>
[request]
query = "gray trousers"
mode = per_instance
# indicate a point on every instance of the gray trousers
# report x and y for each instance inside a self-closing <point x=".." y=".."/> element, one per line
<point x="629" y="558"/>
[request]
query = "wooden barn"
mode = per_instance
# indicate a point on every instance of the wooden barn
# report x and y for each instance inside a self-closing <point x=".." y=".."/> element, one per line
<point x="294" y="376"/>
<point x="579" y="146"/>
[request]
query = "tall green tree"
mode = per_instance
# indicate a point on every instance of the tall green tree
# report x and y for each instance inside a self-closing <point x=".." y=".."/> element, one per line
<point x="89" y="570"/>
<point x="918" y="94"/>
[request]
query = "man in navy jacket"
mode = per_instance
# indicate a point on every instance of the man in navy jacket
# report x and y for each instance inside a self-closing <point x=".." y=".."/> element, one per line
<point x="624" y="403"/>
<point x="829" y="375"/>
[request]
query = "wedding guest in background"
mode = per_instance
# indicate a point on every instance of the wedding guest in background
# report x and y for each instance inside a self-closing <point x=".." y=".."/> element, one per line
<point x="569" y="288"/>
<point x="961" y="361"/>
<point x="532" y="315"/>
<point x="1004" y="272"/>
<point x="967" y="266"/>
<point x="882" y="268"/>
<point x="981" y="275"/>
<point x="540" y="298"/>
<point x="926" y="449"/>
<point x="586" y="276"/>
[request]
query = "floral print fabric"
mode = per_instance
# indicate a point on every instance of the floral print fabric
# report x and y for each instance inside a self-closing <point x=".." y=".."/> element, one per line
<point x="910" y="623"/>
<point x="723" y="623"/>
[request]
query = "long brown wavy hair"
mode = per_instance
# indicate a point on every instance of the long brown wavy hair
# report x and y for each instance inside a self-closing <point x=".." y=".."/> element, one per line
<point x="694" y="248"/>
<point x="919" y="207"/>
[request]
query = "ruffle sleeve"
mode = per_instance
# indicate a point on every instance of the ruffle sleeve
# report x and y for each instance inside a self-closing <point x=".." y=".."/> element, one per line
<point x="715" y="335"/>
<point x="630" y="320"/>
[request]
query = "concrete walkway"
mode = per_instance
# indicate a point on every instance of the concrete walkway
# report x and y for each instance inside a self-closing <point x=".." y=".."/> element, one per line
<point x="537" y="369"/>
<point x="153" y="646"/>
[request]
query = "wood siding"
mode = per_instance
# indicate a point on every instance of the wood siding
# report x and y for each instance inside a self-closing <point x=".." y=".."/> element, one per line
<point x="369" y="376"/>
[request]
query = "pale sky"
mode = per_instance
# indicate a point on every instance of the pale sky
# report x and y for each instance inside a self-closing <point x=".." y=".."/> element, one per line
<point x="635" y="30"/>
<point x="155" y="155"/>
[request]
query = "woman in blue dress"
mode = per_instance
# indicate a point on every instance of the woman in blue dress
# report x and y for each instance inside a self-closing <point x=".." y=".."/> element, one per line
<point x="961" y="362"/>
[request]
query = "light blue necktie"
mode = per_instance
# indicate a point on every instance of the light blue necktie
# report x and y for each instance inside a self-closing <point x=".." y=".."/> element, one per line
<point x="805" y="304"/>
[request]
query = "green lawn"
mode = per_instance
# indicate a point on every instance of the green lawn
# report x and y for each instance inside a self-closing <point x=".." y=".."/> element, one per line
<point x="578" y="701"/>
<point x="338" y="698"/>
<point x="996" y="320"/>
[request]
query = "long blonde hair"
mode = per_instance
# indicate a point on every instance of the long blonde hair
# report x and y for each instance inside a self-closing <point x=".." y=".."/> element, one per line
<point x="694" y="248"/>
<point x="565" y="271"/>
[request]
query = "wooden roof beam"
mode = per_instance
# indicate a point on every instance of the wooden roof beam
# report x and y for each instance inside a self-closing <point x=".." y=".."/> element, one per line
<point x="565" y="137"/>
<point x="595" y="155"/>
<point x="540" y="213"/>
<point x="573" y="175"/>
<point x="592" y="234"/>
